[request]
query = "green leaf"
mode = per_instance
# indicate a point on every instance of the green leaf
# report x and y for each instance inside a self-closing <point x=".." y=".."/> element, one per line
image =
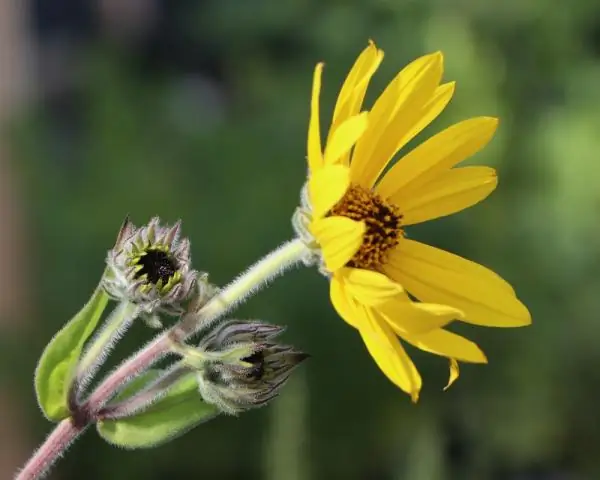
<point x="55" y="369"/>
<point x="179" y="411"/>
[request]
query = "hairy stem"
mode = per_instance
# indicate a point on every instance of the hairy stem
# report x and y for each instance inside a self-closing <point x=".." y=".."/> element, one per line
<point x="96" y="354"/>
<point x="134" y="365"/>
<point x="257" y="276"/>
<point x="151" y="394"/>
<point x="253" y="279"/>
<point x="51" y="450"/>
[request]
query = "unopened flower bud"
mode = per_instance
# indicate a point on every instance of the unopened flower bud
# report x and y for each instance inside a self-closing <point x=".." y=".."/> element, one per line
<point x="240" y="366"/>
<point x="151" y="267"/>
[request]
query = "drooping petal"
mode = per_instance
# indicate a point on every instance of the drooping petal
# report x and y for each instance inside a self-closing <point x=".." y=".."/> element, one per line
<point x="406" y="316"/>
<point x="368" y="287"/>
<point x="447" y="344"/>
<point x="454" y="373"/>
<point x="344" y="137"/>
<point x="353" y="91"/>
<point x="395" y="113"/>
<point x="344" y="304"/>
<point x="326" y="187"/>
<point x="441" y="152"/>
<point x="339" y="239"/>
<point x="433" y="275"/>
<point x="392" y="359"/>
<point x="314" y="150"/>
<point x="449" y="192"/>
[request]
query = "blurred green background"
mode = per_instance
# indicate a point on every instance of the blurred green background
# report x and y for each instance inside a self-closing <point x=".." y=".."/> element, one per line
<point x="198" y="110"/>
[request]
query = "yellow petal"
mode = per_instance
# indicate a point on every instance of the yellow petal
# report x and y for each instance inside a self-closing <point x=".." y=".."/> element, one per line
<point x="353" y="91"/>
<point x="326" y="187"/>
<point x="441" y="152"/>
<point x="344" y="305"/>
<point x="406" y="316"/>
<point x="403" y="129"/>
<point x="368" y="287"/>
<point x="449" y="192"/>
<point x="433" y="275"/>
<point x="454" y="373"/>
<point x="391" y="358"/>
<point x="431" y="110"/>
<point x="314" y="150"/>
<point x="344" y="137"/>
<point x="447" y="344"/>
<point x="339" y="239"/>
<point x="394" y="116"/>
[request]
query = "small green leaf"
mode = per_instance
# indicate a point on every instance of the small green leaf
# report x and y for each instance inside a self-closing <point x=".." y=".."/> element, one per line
<point x="179" y="411"/>
<point x="56" y="366"/>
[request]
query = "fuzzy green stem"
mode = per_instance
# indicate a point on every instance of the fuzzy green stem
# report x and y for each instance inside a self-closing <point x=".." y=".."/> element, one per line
<point x="253" y="279"/>
<point x="257" y="276"/>
<point x="95" y="355"/>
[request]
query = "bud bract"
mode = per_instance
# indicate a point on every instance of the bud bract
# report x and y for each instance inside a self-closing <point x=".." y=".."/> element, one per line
<point x="239" y="366"/>
<point x="150" y="266"/>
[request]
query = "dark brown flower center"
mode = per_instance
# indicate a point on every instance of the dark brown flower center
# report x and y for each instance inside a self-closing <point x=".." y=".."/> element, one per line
<point x="157" y="265"/>
<point x="383" y="225"/>
<point x="257" y="360"/>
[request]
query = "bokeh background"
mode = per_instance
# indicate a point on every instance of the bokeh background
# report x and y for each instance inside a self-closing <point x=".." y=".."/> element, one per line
<point x="198" y="110"/>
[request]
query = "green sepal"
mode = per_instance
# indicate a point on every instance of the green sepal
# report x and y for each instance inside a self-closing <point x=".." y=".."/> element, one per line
<point x="56" y="367"/>
<point x="173" y="415"/>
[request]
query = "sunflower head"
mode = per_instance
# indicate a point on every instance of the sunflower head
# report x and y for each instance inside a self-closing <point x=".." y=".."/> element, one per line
<point x="151" y="267"/>
<point x="360" y="197"/>
<point x="240" y="366"/>
<point x="382" y="222"/>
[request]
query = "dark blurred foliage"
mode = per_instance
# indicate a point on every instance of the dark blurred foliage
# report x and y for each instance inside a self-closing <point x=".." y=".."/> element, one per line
<point x="198" y="110"/>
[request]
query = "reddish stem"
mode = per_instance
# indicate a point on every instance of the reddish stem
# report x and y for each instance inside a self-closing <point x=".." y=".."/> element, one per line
<point x="66" y="431"/>
<point x="51" y="450"/>
<point x="137" y="363"/>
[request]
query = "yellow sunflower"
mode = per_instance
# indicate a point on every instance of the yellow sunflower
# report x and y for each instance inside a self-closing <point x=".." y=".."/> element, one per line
<point x="354" y="218"/>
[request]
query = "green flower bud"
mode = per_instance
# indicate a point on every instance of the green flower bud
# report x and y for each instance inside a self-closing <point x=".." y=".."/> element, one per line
<point x="239" y="365"/>
<point x="151" y="267"/>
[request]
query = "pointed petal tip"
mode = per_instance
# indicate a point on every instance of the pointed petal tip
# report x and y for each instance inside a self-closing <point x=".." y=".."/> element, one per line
<point x="437" y="56"/>
<point x="526" y="321"/>
<point x="454" y="373"/>
<point x="492" y="122"/>
<point x="372" y="45"/>
<point x="414" y="396"/>
<point x="521" y="316"/>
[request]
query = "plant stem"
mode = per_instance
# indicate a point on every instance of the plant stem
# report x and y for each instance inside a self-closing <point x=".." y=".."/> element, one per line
<point x="102" y="343"/>
<point x="253" y="279"/>
<point x="50" y="451"/>
<point x="257" y="276"/>
<point x="131" y="367"/>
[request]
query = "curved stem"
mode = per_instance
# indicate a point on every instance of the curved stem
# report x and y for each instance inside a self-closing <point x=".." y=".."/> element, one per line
<point x="250" y="281"/>
<point x="257" y="276"/>
<point x="50" y="451"/>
